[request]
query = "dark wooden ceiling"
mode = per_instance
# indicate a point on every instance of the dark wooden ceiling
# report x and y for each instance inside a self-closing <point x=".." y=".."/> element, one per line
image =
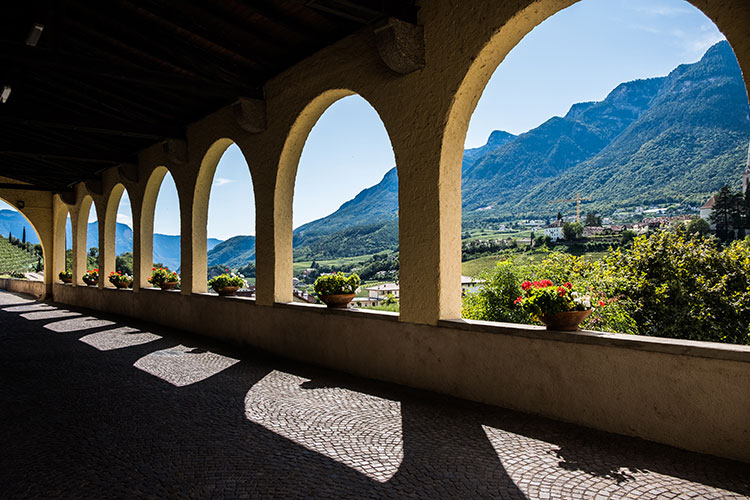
<point x="107" y="79"/>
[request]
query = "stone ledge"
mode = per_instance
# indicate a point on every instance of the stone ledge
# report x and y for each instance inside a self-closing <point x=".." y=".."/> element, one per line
<point x="729" y="352"/>
<point x="359" y="313"/>
<point x="212" y="296"/>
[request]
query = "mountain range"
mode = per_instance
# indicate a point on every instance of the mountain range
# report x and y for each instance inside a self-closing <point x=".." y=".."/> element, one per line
<point x="670" y="140"/>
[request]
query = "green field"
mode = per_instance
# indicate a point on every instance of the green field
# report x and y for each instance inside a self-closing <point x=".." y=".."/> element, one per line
<point x="478" y="266"/>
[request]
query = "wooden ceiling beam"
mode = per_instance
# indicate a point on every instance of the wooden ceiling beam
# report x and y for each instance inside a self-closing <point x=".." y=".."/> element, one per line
<point x="19" y="57"/>
<point x="72" y="156"/>
<point x="109" y="128"/>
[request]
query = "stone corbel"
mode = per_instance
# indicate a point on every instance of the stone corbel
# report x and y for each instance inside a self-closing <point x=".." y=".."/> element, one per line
<point x="94" y="186"/>
<point x="250" y="114"/>
<point x="68" y="197"/>
<point x="175" y="151"/>
<point x="128" y="172"/>
<point x="400" y="45"/>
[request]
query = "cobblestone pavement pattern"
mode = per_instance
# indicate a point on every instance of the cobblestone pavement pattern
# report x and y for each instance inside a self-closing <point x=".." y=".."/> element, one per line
<point x="100" y="407"/>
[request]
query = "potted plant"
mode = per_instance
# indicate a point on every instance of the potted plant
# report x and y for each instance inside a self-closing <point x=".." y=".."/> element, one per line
<point x="336" y="290"/>
<point x="66" y="276"/>
<point x="164" y="278"/>
<point x="227" y="284"/>
<point x="91" y="278"/>
<point x="120" y="280"/>
<point x="559" y="307"/>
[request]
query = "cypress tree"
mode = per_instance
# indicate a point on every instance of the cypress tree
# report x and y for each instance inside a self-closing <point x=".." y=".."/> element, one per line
<point x="23" y="237"/>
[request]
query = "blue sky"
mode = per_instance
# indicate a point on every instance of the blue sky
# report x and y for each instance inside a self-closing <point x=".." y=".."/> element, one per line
<point x="579" y="54"/>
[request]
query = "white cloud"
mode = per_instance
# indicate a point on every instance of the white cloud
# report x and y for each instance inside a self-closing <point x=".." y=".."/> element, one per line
<point x="662" y="10"/>
<point x="220" y="181"/>
<point x="125" y="219"/>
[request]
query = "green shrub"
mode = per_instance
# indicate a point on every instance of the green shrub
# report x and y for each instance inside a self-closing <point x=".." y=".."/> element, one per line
<point x="665" y="285"/>
<point x="226" y="280"/>
<point x="495" y="299"/>
<point x="337" y="283"/>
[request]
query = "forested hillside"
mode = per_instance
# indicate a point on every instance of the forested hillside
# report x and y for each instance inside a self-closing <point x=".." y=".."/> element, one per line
<point x="16" y="260"/>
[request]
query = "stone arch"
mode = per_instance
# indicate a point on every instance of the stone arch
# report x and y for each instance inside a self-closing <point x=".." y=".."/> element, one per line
<point x="490" y="55"/>
<point x="38" y="235"/>
<point x="59" y="230"/>
<point x="80" y="236"/>
<point x="201" y="198"/>
<point x="144" y="261"/>
<point x="285" y="182"/>
<point x="108" y="250"/>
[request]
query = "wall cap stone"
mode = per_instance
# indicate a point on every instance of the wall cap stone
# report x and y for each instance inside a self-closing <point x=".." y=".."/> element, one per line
<point x="319" y="308"/>
<point x="713" y="350"/>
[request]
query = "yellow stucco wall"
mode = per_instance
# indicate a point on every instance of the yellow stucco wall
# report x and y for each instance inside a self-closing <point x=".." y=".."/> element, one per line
<point x="694" y="401"/>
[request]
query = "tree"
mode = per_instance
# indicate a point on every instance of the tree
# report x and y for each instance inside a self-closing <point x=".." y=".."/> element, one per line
<point x="593" y="220"/>
<point x="124" y="263"/>
<point x="726" y="212"/>
<point x="94" y="252"/>
<point x="23" y="237"/>
<point x="627" y="237"/>
<point x="698" y="226"/>
<point x="572" y="231"/>
<point x="559" y="215"/>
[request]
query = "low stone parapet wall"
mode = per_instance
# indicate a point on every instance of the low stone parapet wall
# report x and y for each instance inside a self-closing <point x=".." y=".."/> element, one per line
<point x="35" y="288"/>
<point x="693" y="395"/>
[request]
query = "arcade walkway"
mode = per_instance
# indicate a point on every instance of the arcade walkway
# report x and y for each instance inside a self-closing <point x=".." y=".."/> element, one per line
<point x="97" y="407"/>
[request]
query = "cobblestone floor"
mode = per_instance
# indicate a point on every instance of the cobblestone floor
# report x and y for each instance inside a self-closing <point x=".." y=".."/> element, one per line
<point x="96" y="407"/>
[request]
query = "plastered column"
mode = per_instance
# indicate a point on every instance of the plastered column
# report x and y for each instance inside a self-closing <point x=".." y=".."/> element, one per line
<point x="79" y="221"/>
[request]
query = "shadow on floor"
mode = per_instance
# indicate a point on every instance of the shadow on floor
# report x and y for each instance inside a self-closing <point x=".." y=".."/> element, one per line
<point x="93" y="404"/>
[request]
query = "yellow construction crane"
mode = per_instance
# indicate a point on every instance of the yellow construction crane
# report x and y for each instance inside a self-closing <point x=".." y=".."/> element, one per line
<point x="577" y="199"/>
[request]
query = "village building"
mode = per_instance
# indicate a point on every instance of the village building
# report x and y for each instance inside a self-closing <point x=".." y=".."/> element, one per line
<point x="382" y="291"/>
<point x="554" y="230"/>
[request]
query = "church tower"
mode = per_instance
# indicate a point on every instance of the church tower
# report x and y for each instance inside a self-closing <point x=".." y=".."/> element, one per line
<point x="746" y="173"/>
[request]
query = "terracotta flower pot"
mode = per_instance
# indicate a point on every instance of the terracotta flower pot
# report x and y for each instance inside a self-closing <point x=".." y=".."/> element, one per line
<point x="168" y="285"/>
<point x="91" y="282"/>
<point x="567" y="321"/>
<point x="337" y="301"/>
<point x="122" y="284"/>
<point x="227" y="291"/>
<point x="66" y="280"/>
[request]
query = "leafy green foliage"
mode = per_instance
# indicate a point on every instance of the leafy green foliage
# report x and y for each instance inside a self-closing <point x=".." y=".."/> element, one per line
<point x="665" y="285"/>
<point x="124" y="263"/>
<point x="226" y="280"/>
<point x="118" y="277"/>
<point x="572" y="231"/>
<point x="337" y="283"/>
<point x="17" y="258"/>
<point x="495" y="301"/>
<point x="91" y="277"/>
<point x="543" y="298"/>
<point x="688" y="288"/>
<point x="698" y="226"/>
<point x="161" y="275"/>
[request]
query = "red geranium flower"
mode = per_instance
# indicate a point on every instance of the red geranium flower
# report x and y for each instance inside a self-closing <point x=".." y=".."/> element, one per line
<point x="526" y="285"/>
<point x="568" y="285"/>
